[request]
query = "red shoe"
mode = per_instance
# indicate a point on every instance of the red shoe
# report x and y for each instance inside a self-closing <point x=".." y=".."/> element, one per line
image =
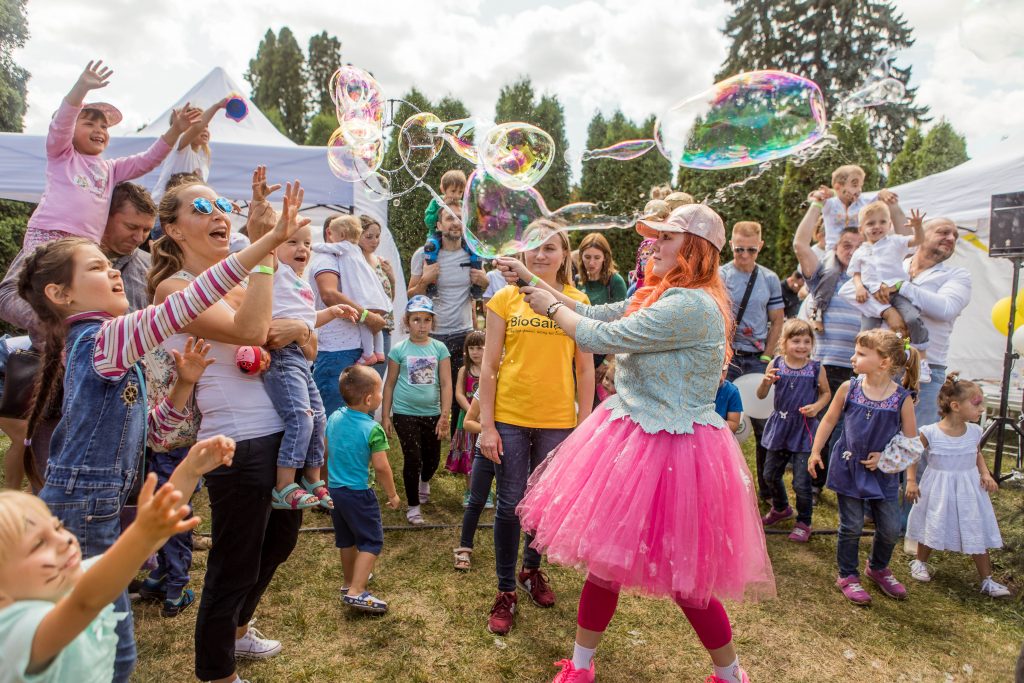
<point x="853" y="590"/>
<point x="570" y="674"/>
<point x="502" y="614"/>
<point x="884" y="579"/>
<point x="715" y="679"/>
<point x="534" y="582"/>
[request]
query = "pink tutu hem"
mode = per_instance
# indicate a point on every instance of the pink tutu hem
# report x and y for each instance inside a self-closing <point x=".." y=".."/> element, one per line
<point x="662" y="514"/>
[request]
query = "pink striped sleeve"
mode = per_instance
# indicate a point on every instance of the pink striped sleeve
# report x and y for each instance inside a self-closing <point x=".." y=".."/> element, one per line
<point x="122" y="341"/>
<point x="162" y="420"/>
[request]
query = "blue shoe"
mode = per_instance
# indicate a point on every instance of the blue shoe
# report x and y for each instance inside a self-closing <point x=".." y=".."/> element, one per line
<point x="154" y="589"/>
<point x="366" y="602"/>
<point x="172" y="608"/>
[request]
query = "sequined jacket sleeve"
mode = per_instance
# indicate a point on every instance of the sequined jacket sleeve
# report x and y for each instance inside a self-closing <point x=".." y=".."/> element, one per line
<point x="605" y="312"/>
<point x="680" y="318"/>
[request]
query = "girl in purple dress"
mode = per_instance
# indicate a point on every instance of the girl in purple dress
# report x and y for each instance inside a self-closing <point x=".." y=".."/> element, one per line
<point x="801" y="392"/>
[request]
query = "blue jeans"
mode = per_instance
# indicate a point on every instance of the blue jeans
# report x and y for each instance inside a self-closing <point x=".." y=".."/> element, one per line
<point x="480" y="479"/>
<point x="290" y="387"/>
<point x="775" y="467"/>
<point x="327" y="369"/>
<point x="851" y="522"/>
<point x="743" y="365"/>
<point x="174" y="559"/>
<point x="523" y="449"/>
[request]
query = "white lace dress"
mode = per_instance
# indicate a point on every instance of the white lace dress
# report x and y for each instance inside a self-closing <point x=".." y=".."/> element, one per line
<point x="954" y="512"/>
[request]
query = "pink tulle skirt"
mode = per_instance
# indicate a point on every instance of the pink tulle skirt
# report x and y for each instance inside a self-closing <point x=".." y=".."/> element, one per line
<point x="662" y="514"/>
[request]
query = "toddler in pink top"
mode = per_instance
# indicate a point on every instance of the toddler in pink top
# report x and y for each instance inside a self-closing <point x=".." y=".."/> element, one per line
<point x="79" y="181"/>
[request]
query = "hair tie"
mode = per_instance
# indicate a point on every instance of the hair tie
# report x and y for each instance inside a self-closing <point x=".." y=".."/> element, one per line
<point x="954" y="378"/>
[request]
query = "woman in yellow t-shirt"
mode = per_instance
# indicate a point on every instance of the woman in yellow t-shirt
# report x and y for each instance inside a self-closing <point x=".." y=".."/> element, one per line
<point x="528" y="405"/>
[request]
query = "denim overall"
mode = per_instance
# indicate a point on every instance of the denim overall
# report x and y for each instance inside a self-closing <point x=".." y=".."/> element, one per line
<point x="95" y="455"/>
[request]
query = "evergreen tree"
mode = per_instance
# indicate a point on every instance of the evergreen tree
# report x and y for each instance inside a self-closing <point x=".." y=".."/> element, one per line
<point x="903" y="168"/>
<point x="321" y="128"/>
<point x="13" y="78"/>
<point x="324" y="60"/>
<point x="836" y="44"/>
<point x="942" y="149"/>
<point x="278" y="82"/>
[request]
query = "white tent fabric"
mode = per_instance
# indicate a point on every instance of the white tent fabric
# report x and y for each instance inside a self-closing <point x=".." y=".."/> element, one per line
<point x="963" y="194"/>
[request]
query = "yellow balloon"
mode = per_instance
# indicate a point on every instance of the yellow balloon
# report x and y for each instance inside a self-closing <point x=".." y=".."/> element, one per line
<point x="1020" y="301"/>
<point x="1001" y="316"/>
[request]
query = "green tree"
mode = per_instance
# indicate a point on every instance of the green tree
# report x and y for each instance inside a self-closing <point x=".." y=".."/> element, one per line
<point x="941" y="149"/>
<point x="836" y="44"/>
<point x="903" y="168"/>
<point x="278" y="82"/>
<point x="324" y="59"/>
<point x="321" y="128"/>
<point x="13" y="78"/>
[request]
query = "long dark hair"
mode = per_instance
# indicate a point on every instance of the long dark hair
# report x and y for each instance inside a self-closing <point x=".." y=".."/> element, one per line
<point x="49" y="264"/>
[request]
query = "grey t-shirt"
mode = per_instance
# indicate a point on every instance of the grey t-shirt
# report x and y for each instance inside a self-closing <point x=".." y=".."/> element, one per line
<point x="453" y="309"/>
<point x="766" y="296"/>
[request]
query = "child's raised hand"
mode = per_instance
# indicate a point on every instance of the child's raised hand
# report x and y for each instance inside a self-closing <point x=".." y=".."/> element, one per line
<point x="988" y="483"/>
<point x="160" y="513"/>
<point x="872" y="462"/>
<point x="191" y="362"/>
<point x="95" y="76"/>
<point x="820" y="195"/>
<point x="771" y="375"/>
<point x="260" y="189"/>
<point x="394" y="501"/>
<point x="184" y="118"/>
<point x="289" y="220"/>
<point x="888" y="196"/>
<point x="916" y="219"/>
<point x="344" y="311"/>
<point x="209" y="454"/>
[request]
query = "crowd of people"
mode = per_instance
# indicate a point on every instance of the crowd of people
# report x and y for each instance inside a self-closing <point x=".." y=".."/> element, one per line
<point x="594" y="412"/>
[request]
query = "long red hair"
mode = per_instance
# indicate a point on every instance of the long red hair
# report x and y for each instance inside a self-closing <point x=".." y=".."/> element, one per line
<point x="696" y="268"/>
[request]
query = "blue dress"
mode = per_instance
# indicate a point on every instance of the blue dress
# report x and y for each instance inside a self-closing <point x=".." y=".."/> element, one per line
<point x="787" y="429"/>
<point x="868" y="426"/>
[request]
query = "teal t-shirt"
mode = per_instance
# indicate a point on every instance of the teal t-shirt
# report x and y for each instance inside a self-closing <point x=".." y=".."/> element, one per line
<point x="600" y="293"/>
<point x="352" y="438"/>
<point x="418" y="391"/>
<point x="89" y="658"/>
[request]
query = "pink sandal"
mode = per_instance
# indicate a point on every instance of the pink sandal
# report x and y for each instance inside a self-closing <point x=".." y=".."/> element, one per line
<point x="319" y="490"/>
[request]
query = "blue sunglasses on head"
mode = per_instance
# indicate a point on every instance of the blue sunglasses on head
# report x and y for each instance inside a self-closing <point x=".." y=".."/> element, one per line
<point x="205" y="206"/>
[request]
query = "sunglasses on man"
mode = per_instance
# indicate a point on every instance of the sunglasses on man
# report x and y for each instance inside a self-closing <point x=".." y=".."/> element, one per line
<point x="205" y="206"/>
<point x="745" y="250"/>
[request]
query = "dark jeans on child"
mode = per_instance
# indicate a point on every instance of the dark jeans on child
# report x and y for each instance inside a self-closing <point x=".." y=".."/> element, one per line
<point x="174" y="559"/>
<point x="851" y="523"/>
<point x="480" y="479"/>
<point x="524" y="448"/>
<point x="911" y="315"/>
<point x="290" y="386"/>
<point x="421" y="451"/>
<point x="774" y="467"/>
<point x="743" y="363"/>
<point x="454" y="343"/>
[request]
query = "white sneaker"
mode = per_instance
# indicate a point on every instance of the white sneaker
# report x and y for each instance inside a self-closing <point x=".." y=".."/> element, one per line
<point x="994" y="589"/>
<point x="919" y="571"/>
<point x="254" y="645"/>
<point x="926" y="373"/>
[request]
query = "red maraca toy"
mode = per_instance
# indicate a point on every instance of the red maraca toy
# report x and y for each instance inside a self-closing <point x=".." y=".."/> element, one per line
<point x="252" y="360"/>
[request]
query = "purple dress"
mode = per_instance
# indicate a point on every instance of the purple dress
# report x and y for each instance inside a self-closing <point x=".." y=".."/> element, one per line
<point x="868" y="426"/>
<point x="787" y="429"/>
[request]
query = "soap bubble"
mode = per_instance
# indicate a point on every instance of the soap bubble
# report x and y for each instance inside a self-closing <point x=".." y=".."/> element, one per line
<point x="621" y="151"/>
<point x="461" y="135"/>
<point x="378" y="187"/>
<point x="419" y="142"/>
<point x="495" y="217"/>
<point x="993" y="30"/>
<point x="361" y="131"/>
<point x="354" y="91"/>
<point x="875" y="93"/>
<point x="517" y="154"/>
<point x="746" y="119"/>
<point x="353" y="162"/>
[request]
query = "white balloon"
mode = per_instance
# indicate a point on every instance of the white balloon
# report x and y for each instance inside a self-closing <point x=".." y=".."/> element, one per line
<point x="1018" y="340"/>
<point x="746" y="430"/>
<point x="759" y="409"/>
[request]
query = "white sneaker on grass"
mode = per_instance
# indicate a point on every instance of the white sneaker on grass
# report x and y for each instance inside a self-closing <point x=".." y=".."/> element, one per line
<point x="254" y="645"/>
<point x="919" y="571"/>
<point x="994" y="589"/>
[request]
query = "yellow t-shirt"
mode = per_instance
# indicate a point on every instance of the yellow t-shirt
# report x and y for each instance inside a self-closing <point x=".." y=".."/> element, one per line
<point x="535" y="379"/>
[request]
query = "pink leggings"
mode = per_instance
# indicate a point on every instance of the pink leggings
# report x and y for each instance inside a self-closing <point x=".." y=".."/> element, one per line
<point x="597" y="606"/>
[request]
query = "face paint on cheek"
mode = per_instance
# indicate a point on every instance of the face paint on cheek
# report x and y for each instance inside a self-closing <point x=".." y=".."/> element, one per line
<point x="977" y="401"/>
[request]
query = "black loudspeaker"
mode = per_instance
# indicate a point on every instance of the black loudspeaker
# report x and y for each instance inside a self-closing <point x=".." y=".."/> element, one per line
<point x="1006" y="226"/>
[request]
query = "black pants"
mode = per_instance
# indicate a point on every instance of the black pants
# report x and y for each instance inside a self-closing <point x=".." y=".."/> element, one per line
<point x="454" y="343"/>
<point x="835" y="376"/>
<point x="421" y="451"/>
<point x="249" y="542"/>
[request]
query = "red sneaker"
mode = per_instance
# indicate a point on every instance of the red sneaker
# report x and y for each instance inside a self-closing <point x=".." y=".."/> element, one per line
<point x="853" y="590"/>
<point x="715" y="679"/>
<point x="884" y="579"/>
<point x="570" y="674"/>
<point x="502" y="614"/>
<point x="535" y="582"/>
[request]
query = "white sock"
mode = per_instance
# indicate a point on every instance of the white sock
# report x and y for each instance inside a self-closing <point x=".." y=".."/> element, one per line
<point x="424" y="487"/>
<point x="582" y="656"/>
<point x="413" y="510"/>
<point x="730" y="673"/>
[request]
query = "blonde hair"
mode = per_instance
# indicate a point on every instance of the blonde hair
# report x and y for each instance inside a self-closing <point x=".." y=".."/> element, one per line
<point x="901" y="355"/>
<point x="660" y="191"/>
<point x="872" y="208"/>
<point x="348" y="228"/>
<point x="13" y="506"/>
<point x="564" y="275"/>
<point x="596" y="240"/>
<point x="747" y="229"/>
<point x="677" y="199"/>
<point x="844" y="173"/>
<point x="794" y="327"/>
<point x="657" y="209"/>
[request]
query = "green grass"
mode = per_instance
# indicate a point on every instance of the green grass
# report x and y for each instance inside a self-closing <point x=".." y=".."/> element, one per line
<point x="435" y="630"/>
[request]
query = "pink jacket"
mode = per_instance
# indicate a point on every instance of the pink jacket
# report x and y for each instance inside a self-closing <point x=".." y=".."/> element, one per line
<point x="78" y="186"/>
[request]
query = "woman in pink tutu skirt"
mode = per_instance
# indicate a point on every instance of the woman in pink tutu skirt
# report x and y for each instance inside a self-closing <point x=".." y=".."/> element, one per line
<point x="651" y="493"/>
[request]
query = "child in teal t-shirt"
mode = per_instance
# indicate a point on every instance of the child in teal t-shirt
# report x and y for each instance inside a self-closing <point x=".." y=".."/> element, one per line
<point x="417" y="402"/>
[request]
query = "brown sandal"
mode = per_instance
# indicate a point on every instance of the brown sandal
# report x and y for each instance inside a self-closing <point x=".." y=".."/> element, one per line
<point x="462" y="559"/>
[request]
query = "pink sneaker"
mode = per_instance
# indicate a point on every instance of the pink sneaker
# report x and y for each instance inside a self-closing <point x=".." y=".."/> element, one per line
<point x="853" y="591"/>
<point x="715" y="679"/>
<point x="775" y="516"/>
<point x="884" y="579"/>
<point x="570" y="674"/>
<point x="368" y="359"/>
<point x="801" y="533"/>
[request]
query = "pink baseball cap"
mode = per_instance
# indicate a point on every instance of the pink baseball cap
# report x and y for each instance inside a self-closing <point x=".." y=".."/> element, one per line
<point x="696" y="219"/>
<point x="111" y="113"/>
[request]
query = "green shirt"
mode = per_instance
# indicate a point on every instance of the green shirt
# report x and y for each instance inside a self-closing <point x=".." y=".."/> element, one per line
<point x="418" y="390"/>
<point x="600" y="293"/>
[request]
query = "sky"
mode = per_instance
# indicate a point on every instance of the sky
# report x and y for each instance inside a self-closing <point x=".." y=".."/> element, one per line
<point x="635" y="55"/>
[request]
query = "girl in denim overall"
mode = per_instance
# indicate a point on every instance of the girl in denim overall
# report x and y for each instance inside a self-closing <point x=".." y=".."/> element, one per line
<point x="97" y="447"/>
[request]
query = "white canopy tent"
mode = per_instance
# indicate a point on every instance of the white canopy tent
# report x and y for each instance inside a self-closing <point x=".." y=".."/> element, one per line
<point x="963" y="194"/>
<point x="236" y="149"/>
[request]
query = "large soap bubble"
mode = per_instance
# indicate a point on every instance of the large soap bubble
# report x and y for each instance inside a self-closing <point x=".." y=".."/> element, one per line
<point x="744" y="120"/>
<point x="875" y="93"/>
<point x="620" y="151"/>
<point x="993" y="29"/>
<point x="461" y="135"/>
<point x="420" y="140"/>
<point x="357" y="94"/>
<point x="517" y="154"/>
<point x="353" y="161"/>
